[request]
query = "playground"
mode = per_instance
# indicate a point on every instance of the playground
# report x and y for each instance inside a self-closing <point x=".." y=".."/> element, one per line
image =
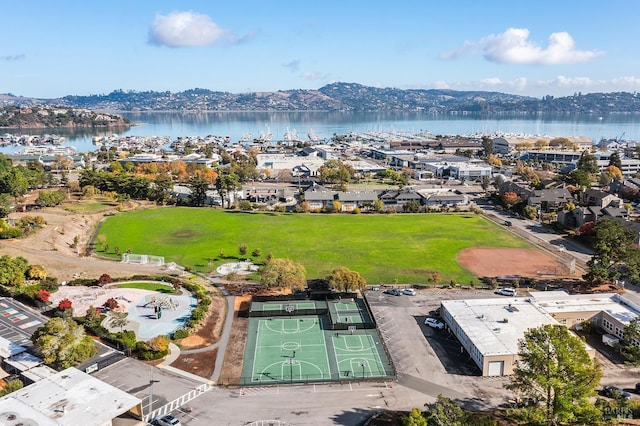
<point x="150" y="313"/>
<point x="309" y="348"/>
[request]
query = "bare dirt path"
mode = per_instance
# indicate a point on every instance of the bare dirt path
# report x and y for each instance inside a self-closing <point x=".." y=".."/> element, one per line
<point x="52" y="246"/>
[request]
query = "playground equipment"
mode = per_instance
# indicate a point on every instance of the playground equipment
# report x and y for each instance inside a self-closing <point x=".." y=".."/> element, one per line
<point x="160" y="303"/>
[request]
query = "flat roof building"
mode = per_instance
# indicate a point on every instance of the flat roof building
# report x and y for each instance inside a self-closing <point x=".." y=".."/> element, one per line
<point x="70" y="397"/>
<point x="489" y="329"/>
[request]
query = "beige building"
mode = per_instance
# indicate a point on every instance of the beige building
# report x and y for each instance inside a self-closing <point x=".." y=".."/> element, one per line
<point x="489" y="329"/>
<point x="509" y="144"/>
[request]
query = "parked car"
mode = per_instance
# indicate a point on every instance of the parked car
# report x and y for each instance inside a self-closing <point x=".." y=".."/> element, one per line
<point x="390" y="291"/>
<point x="508" y="223"/>
<point x="435" y="313"/>
<point x="168" y="420"/>
<point x="507" y="291"/>
<point x="434" y="323"/>
<point x="613" y="391"/>
<point x="409" y="292"/>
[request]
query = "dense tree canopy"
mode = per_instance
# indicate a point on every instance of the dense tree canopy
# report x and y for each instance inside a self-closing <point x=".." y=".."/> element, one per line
<point x="344" y="279"/>
<point x="62" y="343"/>
<point x="283" y="273"/>
<point x="614" y="253"/>
<point x="555" y="369"/>
<point x="13" y="270"/>
<point x="335" y="172"/>
<point x="588" y="163"/>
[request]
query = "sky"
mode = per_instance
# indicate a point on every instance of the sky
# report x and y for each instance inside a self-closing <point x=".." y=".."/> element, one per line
<point x="50" y="49"/>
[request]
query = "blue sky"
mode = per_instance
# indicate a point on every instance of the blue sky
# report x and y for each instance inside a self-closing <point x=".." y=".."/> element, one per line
<point x="55" y="48"/>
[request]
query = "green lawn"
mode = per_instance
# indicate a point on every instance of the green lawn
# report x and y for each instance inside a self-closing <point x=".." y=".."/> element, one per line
<point x="159" y="287"/>
<point x="383" y="248"/>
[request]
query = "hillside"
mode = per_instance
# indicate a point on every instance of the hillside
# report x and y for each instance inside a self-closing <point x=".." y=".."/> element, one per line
<point x="39" y="116"/>
<point x="347" y="97"/>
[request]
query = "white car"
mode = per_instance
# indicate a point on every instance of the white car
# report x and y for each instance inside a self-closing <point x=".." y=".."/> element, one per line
<point x="409" y="292"/>
<point x="434" y="323"/>
<point x="507" y="291"/>
<point x="168" y="420"/>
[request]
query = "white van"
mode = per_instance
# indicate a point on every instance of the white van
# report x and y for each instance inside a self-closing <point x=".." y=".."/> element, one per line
<point x="507" y="291"/>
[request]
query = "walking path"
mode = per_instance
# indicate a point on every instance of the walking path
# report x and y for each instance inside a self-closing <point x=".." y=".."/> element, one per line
<point x="221" y="345"/>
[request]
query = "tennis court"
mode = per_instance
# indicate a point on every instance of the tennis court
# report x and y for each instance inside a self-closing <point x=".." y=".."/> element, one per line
<point x="306" y="348"/>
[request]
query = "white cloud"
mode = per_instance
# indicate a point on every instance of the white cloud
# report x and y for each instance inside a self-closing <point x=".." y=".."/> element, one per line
<point x="182" y="29"/>
<point x="514" y="47"/>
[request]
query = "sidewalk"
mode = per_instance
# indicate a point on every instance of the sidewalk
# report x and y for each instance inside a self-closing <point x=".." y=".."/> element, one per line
<point x="174" y="353"/>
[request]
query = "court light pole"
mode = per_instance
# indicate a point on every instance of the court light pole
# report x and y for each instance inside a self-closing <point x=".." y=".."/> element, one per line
<point x="362" y="365"/>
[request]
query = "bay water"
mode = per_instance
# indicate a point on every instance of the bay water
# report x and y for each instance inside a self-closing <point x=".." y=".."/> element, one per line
<point x="324" y="125"/>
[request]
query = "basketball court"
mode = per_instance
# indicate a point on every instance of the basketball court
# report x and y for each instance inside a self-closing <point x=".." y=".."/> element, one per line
<point x="289" y="347"/>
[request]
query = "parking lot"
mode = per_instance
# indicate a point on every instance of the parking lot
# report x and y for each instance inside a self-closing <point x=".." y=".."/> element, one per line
<point x="432" y="361"/>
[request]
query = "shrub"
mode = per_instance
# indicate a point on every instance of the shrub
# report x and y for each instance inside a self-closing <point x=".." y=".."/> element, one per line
<point x="180" y="333"/>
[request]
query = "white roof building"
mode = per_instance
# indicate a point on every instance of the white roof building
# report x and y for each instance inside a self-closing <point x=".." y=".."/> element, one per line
<point x="70" y="397"/>
<point x="489" y="329"/>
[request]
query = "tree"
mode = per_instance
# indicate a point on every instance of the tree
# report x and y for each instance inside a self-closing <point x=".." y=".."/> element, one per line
<point x="111" y="303"/>
<point x="614" y="160"/>
<point x="411" y="206"/>
<point x="92" y="318"/>
<point x="629" y="343"/>
<point x="415" y="418"/>
<point x="492" y="160"/>
<point x="105" y="279"/>
<point x="588" y="163"/>
<point x="65" y="307"/>
<point x="487" y="145"/>
<point x="555" y="369"/>
<point x="36" y="272"/>
<point x="242" y="249"/>
<point x="445" y="412"/>
<point x="580" y="178"/>
<point x="540" y="144"/>
<point x="283" y="273"/>
<point x="198" y="186"/>
<point x="227" y="184"/>
<point x="344" y="279"/>
<point x="118" y="319"/>
<point x="62" y="343"/>
<point x="613" y="252"/>
<point x="161" y="187"/>
<point x="13" y="270"/>
<point x="335" y="172"/>
<point x="613" y="172"/>
<point x="159" y="344"/>
<point x="530" y="212"/>
<point x="485" y="183"/>
<point x="510" y="199"/>
<point x="43" y="295"/>
<point x="11" y="386"/>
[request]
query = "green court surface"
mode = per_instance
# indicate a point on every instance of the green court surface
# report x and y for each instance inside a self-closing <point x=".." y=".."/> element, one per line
<point x="305" y="349"/>
<point x="283" y="306"/>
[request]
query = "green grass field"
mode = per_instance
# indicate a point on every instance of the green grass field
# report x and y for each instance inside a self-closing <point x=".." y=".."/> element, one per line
<point x="402" y="248"/>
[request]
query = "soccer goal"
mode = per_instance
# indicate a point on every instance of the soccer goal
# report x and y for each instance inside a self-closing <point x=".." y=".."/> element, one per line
<point x="143" y="259"/>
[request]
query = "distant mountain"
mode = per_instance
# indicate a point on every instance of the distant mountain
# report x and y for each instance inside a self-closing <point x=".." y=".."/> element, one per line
<point x="347" y="97"/>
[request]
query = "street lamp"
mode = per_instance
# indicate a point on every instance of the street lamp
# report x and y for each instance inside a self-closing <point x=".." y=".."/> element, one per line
<point x="362" y="365"/>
